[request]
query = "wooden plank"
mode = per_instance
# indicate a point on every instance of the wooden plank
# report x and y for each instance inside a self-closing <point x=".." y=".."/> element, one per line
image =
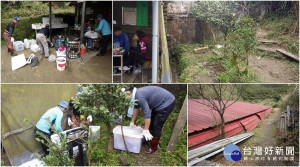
<point x="132" y="78"/>
<point x="267" y="41"/>
<point x="180" y="124"/>
<point x="288" y="54"/>
<point x="144" y="75"/>
<point x="261" y="48"/>
<point x="216" y="52"/>
<point x="147" y="65"/>
<point x="123" y="160"/>
<point x="145" y="68"/>
<point x="201" y="50"/>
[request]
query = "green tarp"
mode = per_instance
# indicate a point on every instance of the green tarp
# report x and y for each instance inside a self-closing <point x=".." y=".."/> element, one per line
<point x="28" y="101"/>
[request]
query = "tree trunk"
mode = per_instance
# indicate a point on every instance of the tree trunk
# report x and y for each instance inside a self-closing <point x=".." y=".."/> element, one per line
<point x="246" y="69"/>
<point x="222" y="126"/>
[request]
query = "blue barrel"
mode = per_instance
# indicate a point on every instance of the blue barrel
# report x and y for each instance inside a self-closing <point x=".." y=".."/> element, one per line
<point x="59" y="41"/>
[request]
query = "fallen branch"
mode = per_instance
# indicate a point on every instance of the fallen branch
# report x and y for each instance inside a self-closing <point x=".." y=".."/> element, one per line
<point x="20" y="130"/>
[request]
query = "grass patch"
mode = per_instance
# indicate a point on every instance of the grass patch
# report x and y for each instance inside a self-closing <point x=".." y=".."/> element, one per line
<point x="33" y="9"/>
<point x="177" y="157"/>
<point x="191" y="65"/>
<point x="279" y="24"/>
<point x="230" y="74"/>
<point x="100" y="156"/>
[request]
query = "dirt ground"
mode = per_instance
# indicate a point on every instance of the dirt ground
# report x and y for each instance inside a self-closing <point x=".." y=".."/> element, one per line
<point x="143" y="159"/>
<point x="272" y="70"/>
<point x="95" y="70"/>
<point x="4" y="158"/>
<point x="264" y="135"/>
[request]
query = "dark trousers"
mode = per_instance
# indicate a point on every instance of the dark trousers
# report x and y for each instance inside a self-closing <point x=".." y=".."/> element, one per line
<point x="136" y="58"/>
<point x="104" y="43"/>
<point x="158" y="119"/>
<point x="44" y="146"/>
<point x="80" y="148"/>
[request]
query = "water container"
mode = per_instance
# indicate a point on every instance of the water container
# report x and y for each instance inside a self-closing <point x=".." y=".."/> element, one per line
<point x="18" y="46"/>
<point x="26" y="43"/>
<point x="34" y="47"/>
<point x="59" y="41"/>
<point x="61" y="63"/>
<point x="94" y="133"/>
<point x="32" y="41"/>
<point x="132" y="136"/>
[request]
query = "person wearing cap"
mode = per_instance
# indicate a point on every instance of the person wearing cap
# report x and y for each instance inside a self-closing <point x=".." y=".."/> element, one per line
<point x="41" y="39"/>
<point x="8" y="35"/>
<point x="106" y="32"/>
<point x="52" y="117"/>
<point x="148" y="98"/>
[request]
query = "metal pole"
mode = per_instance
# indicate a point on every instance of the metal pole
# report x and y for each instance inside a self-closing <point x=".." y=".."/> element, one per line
<point x="155" y="32"/>
<point x="50" y="20"/>
<point x="77" y="13"/>
<point x="82" y="21"/>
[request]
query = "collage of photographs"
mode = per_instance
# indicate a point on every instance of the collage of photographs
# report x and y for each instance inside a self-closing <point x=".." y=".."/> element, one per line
<point x="149" y="83"/>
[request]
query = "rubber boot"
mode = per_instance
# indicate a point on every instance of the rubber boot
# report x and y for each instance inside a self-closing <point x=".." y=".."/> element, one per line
<point x="153" y="146"/>
<point x="12" y="52"/>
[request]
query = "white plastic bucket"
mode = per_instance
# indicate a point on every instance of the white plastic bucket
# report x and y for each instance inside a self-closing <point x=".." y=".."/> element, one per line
<point x="61" y="63"/>
<point x="34" y="47"/>
<point x="26" y="43"/>
<point x="33" y="41"/>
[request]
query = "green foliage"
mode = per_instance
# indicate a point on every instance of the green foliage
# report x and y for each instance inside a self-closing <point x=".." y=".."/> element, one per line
<point x="2" y="163"/>
<point x="21" y="9"/>
<point x="292" y="46"/>
<point x="32" y="8"/>
<point x="241" y="43"/>
<point x="188" y="62"/>
<point x="58" y="153"/>
<point x="266" y="94"/>
<point x="178" y="156"/>
<point x="220" y="14"/>
<point x="292" y="100"/>
<point x="279" y="25"/>
<point x="32" y="12"/>
<point x="105" y="101"/>
<point x="97" y="152"/>
<point x="231" y="74"/>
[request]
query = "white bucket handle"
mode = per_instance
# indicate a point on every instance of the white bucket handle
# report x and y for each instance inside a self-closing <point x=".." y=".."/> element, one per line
<point x="30" y="58"/>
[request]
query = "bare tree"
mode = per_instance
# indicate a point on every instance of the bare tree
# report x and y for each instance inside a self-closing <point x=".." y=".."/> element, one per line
<point x="218" y="97"/>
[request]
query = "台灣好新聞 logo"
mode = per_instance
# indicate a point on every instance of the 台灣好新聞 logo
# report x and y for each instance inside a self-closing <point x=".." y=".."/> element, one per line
<point x="232" y="152"/>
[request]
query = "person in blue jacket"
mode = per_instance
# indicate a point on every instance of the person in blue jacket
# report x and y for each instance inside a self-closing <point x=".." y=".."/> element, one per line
<point x="52" y="117"/>
<point x="106" y="32"/>
<point x="122" y="39"/>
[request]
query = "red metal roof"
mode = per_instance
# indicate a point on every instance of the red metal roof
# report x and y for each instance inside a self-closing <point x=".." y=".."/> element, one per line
<point x="239" y="117"/>
<point x="202" y="117"/>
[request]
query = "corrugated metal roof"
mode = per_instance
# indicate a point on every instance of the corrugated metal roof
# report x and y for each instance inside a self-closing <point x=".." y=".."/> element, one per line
<point x="201" y="117"/>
